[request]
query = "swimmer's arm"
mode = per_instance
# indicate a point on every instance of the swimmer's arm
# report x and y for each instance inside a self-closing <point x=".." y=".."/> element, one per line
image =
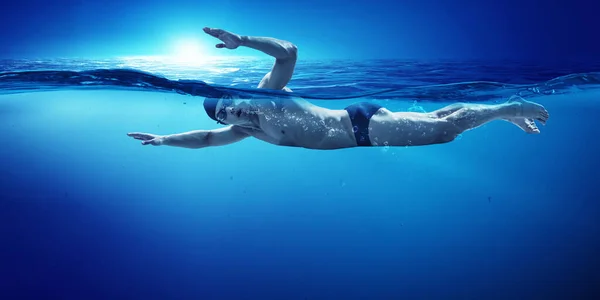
<point x="285" y="54"/>
<point x="280" y="49"/>
<point x="205" y="138"/>
<point x="194" y="139"/>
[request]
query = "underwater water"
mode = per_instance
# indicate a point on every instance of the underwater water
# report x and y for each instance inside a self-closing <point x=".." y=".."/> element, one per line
<point x="86" y="212"/>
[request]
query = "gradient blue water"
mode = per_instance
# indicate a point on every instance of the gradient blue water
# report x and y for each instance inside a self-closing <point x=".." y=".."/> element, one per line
<point x="88" y="213"/>
<point x="436" y="81"/>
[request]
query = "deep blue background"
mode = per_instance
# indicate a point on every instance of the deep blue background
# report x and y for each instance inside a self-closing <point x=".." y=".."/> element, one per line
<point x="88" y="213"/>
<point x="430" y="29"/>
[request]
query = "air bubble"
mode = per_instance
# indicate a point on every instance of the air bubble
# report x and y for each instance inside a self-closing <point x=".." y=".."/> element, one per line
<point x="386" y="146"/>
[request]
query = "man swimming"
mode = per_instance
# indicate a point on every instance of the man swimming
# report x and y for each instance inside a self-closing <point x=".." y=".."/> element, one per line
<point x="298" y="123"/>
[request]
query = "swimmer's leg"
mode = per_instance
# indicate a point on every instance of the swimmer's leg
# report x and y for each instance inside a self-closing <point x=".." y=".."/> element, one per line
<point x="446" y="110"/>
<point x="527" y="125"/>
<point x="471" y="116"/>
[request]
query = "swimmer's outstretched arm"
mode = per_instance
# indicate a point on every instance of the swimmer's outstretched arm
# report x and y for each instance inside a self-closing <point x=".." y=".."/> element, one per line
<point x="285" y="54"/>
<point x="193" y="139"/>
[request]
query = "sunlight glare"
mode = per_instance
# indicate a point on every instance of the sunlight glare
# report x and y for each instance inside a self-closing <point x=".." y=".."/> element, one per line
<point x="189" y="51"/>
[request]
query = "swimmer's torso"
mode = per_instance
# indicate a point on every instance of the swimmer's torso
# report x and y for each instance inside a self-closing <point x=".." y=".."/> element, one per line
<point x="297" y="123"/>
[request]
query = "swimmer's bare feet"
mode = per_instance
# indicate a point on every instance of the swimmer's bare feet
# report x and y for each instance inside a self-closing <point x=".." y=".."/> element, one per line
<point x="528" y="125"/>
<point x="530" y="111"/>
<point x="230" y="40"/>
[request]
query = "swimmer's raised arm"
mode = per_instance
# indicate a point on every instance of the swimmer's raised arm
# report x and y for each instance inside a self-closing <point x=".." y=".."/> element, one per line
<point x="193" y="139"/>
<point x="285" y="54"/>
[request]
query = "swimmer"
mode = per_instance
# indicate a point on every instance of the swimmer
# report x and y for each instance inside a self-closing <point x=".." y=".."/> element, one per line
<point x="298" y="123"/>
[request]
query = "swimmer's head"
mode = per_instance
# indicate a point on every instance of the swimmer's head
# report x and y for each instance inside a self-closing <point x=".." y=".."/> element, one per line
<point x="210" y="106"/>
<point x="226" y="110"/>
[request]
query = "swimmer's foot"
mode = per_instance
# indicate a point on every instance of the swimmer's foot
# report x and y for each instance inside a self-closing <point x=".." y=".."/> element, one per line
<point x="531" y="110"/>
<point x="528" y="125"/>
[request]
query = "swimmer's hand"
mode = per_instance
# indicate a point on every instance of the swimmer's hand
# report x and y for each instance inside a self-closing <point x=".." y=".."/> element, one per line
<point x="148" y="138"/>
<point x="230" y="40"/>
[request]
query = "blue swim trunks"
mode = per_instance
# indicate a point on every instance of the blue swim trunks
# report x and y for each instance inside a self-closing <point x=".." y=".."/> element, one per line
<point x="360" y="114"/>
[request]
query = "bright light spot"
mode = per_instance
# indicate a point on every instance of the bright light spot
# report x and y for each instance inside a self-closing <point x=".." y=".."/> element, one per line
<point x="189" y="51"/>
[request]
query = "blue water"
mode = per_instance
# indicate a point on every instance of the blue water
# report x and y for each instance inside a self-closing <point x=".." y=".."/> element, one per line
<point x="439" y="81"/>
<point x="89" y="213"/>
